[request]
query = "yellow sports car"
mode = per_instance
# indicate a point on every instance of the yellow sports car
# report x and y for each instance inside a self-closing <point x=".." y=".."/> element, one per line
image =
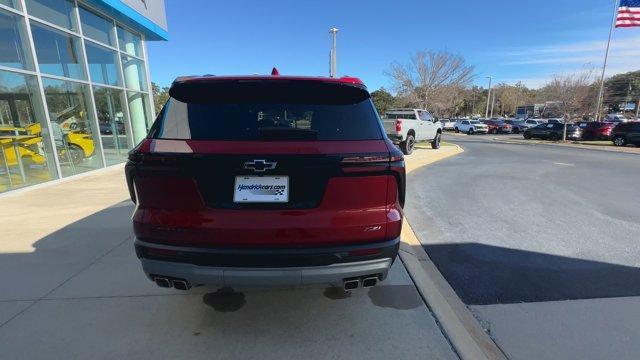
<point x="28" y="141"/>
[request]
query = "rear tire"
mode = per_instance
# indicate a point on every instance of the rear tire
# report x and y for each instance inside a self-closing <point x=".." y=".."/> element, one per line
<point x="407" y="146"/>
<point x="76" y="154"/>
<point x="527" y="136"/>
<point x="619" y="141"/>
<point x="470" y="132"/>
<point x="457" y="130"/>
<point x="435" y="144"/>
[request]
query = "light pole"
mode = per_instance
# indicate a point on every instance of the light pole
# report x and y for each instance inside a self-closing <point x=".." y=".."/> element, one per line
<point x="493" y="104"/>
<point x="606" y="57"/>
<point x="486" y="113"/>
<point x="473" y="107"/>
<point x="333" y="65"/>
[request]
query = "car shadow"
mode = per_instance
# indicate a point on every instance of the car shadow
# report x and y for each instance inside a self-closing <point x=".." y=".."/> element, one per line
<point x="61" y="254"/>
<point x="483" y="274"/>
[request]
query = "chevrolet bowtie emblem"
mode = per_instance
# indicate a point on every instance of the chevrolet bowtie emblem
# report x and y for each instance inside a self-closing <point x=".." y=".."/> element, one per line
<point x="259" y="165"/>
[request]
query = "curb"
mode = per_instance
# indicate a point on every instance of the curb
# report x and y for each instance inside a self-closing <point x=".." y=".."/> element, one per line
<point x="456" y="321"/>
<point x="570" y="146"/>
<point x="464" y="332"/>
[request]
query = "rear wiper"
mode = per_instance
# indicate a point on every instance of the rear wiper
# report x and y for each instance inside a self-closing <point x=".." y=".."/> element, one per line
<point x="282" y="133"/>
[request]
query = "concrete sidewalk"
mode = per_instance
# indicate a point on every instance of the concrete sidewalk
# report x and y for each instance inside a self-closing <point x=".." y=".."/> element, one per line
<point x="74" y="289"/>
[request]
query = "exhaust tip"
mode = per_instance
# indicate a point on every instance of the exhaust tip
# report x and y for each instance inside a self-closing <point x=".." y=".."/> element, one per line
<point x="162" y="282"/>
<point x="369" y="281"/>
<point x="181" y="285"/>
<point x="351" y="284"/>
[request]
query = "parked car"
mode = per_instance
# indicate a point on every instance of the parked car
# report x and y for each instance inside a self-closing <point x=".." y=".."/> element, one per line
<point x="405" y="127"/>
<point x="107" y="127"/>
<point x="615" y="118"/>
<point x="626" y="133"/>
<point x="471" y="127"/>
<point x="533" y="122"/>
<point x="555" y="121"/>
<point x="517" y="125"/>
<point x="592" y="130"/>
<point x="302" y="187"/>
<point x="448" y="124"/>
<point x="523" y="125"/>
<point x="498" y="127"/>
<point x="552" y="132"/>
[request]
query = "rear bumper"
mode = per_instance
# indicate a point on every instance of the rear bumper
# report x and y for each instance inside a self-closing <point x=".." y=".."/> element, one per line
<point x="266" y="267"/>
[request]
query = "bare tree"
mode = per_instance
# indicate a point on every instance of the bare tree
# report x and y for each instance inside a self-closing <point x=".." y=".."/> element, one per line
<point x="447" y="101"/>
<point x="572" y="92"/>
<point x="427" y="73"/>
<point x="508" y="96"/>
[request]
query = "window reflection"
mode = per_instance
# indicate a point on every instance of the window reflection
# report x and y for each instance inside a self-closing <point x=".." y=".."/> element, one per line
<point x="114" y="126"/>
<point x="14" y="51"/>
<point x="58" y="53"/>
<point x="26" y="156"/>
<point x="129" y="43"/>
<point x="73" y="129"/>
<point x="134" y="73"/>
<point x="11" y="3"/>
<point x="59" y="12"/>
<point x="102" y="64"/>
<point x="96" y="27"/>
<point x="140" y="115"/>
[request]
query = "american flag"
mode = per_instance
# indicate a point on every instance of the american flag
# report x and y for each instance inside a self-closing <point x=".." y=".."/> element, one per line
<point x="628" y="13"/>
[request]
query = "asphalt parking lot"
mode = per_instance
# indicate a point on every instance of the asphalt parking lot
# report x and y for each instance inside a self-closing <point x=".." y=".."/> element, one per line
<point x="539" y="241"/>
<point x="74" y="289"/>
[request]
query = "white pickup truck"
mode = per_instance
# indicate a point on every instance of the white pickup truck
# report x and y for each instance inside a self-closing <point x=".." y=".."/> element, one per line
<point x="405" y="127"/>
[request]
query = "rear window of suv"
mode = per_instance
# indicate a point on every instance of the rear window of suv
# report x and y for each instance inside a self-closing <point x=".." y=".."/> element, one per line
<point x="268" y="110"/>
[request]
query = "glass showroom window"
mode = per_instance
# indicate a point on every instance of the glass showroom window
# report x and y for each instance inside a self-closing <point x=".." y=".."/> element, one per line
<point x="129" y="42"/>
<point x="140" y="114"/>
<point x="26" y="155"/>
<point x="96" y="27"/>
<point x="103" y="66"/>
<point x="69" y="111"/>
<point x="114" y="125"/>
<point x="58" y="12"/>
<point x="14" y="51"/>
<point x="58" y="53"/>
<point x="134" y="73"/>
<point x="11" y="3"/>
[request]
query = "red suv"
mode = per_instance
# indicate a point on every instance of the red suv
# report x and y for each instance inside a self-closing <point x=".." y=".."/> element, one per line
<point x="498" y="127"/>
<point x="592" y="130"/>
<point x="267" y="180"/>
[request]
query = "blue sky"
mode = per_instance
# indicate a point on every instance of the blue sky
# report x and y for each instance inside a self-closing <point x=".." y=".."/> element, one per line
<point x="513" y="41"/>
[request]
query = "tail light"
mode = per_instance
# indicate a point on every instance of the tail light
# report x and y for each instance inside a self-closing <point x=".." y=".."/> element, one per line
<point x="143" y="155"/>
<point x="141" y="158"/>
<point x="365" y="163"/>
<point x="398" y="125"/>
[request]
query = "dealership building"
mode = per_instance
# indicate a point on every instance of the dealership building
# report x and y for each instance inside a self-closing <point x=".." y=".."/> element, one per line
<point x="75" y="90"/>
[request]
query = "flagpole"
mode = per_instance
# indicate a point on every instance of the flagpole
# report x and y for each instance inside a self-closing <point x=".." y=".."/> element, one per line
<point x="606" y="58"/>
